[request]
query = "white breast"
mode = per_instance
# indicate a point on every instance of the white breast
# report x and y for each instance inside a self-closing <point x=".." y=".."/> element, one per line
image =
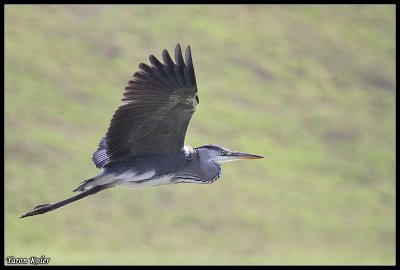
<point x="133" y="180"/>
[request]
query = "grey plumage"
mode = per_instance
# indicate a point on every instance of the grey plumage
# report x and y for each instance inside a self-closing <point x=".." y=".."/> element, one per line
<point x="144" y="144"/>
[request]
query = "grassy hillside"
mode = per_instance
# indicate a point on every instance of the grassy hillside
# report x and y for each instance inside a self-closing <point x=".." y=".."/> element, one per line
<point x="311" y="88"/>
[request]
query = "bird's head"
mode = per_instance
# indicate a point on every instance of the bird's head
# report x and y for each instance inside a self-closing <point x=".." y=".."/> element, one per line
<point x="220" y="154"/>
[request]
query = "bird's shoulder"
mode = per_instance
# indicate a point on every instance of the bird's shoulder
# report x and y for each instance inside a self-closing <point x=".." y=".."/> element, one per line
<point x="189" y="152"/>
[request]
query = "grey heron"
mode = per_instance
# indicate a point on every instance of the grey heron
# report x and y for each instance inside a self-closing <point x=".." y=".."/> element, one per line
<point x="144" y="145"/>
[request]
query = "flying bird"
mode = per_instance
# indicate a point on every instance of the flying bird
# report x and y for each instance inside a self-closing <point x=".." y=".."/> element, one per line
<point x="144" y="145"/>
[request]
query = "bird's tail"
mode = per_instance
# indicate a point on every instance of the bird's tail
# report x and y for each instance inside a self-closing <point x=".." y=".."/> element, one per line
<point x="44" y="208"/>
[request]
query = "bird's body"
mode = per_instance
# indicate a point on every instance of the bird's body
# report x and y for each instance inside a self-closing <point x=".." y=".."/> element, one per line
<point x="144" y="145"/>
<point x="157" y="169"/>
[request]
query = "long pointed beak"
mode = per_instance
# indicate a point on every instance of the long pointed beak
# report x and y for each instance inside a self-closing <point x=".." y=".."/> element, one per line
<point x="241" y="155"/>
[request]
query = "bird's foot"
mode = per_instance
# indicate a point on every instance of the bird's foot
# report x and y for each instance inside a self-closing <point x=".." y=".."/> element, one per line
<point x="40" y="209"/>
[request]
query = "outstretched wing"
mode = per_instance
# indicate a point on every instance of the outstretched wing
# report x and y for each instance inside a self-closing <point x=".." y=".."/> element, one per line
<point x="156" y="108"/>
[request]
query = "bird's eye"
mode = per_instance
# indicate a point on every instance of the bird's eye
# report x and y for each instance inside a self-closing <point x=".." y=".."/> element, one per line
<point x="223" y="152"/>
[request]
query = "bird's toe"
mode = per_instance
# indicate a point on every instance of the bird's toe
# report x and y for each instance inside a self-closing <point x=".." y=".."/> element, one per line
<point x="41" y="206"/>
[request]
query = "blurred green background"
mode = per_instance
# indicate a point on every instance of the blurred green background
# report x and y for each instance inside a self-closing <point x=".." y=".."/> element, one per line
<point x="312" y="88"/>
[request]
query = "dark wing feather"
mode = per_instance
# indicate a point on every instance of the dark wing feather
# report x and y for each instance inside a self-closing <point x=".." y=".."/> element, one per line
<point x="156" y="108"/>
<point x="100" y="157"/>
